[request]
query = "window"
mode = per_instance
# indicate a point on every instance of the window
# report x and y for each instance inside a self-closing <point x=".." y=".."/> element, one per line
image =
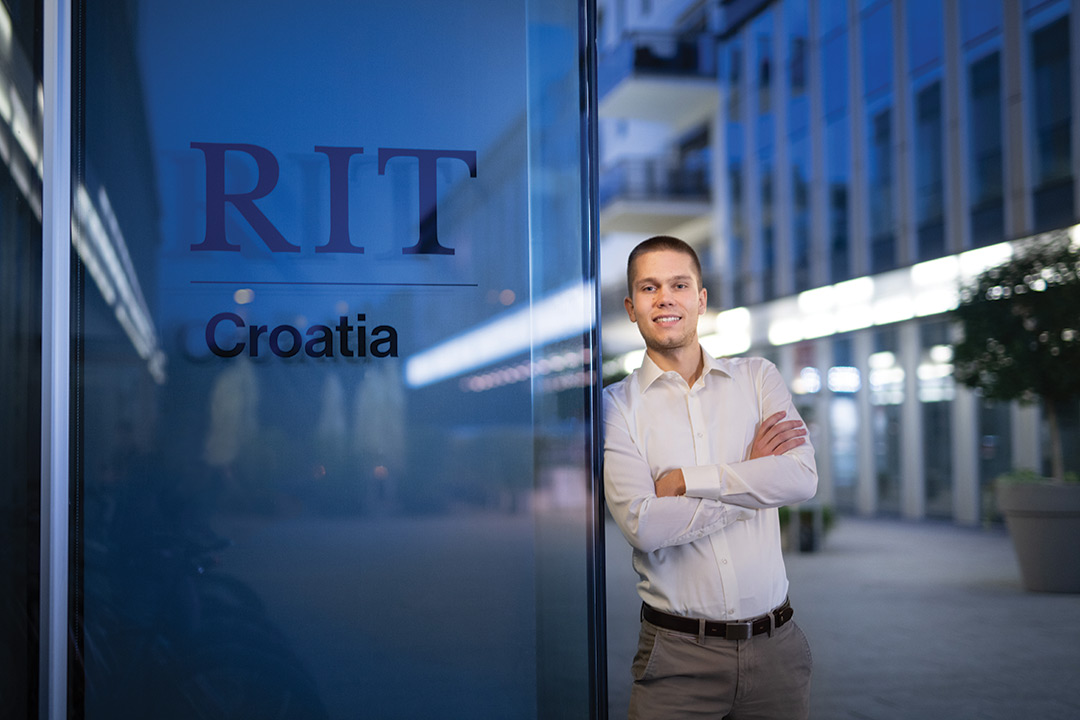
<point x="929" y="173"/>
<point x="985" y="173"/>
<point x="879" y="170"/>
<point x="1052" y="115"/>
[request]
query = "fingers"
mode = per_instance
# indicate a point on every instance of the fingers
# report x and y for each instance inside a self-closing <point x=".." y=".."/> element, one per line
<point x="776" y="437"/>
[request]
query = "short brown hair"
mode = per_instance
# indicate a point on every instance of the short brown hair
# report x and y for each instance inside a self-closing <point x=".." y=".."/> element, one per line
<point x="660" y="242"/>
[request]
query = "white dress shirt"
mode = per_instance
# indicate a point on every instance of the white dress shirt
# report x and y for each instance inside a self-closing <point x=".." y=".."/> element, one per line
<point x="715" y="551"/>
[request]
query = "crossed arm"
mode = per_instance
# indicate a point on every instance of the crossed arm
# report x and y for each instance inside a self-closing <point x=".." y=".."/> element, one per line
<point x="772" y="437"/>
<point x="687" y="503"/>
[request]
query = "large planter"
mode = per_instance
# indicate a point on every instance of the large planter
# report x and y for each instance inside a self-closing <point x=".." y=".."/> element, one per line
<point x="1044" y="522"/>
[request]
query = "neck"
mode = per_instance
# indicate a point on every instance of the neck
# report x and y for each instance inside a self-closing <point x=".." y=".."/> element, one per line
<point x="688" y="361"/>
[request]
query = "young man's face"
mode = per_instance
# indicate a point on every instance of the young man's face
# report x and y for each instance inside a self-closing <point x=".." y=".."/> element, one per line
<point x="665" y="300"/>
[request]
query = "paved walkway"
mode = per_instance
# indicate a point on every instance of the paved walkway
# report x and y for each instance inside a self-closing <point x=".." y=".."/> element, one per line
<point x="906" y="620"/>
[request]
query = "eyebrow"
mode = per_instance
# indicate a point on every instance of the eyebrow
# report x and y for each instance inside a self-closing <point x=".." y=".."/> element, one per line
<point x="654" y="281"/>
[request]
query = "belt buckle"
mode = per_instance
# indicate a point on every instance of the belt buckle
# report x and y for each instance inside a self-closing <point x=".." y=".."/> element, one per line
<point x="738" y="630"/>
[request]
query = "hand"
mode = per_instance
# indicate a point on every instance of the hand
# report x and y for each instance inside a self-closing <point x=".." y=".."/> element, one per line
<point x="776" y="438"/>
<point x="671" y="484"/>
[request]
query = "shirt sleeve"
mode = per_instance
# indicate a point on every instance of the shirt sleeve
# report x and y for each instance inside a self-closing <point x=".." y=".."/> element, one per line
<point x="650" y="522"/>
<point x="765" y="482"/>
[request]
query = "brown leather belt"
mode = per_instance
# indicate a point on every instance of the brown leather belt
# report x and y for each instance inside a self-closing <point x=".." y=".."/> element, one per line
<point x="730" y="630"/>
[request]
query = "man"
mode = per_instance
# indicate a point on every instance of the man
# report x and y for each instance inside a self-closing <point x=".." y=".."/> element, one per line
<point x="698" y="456"/>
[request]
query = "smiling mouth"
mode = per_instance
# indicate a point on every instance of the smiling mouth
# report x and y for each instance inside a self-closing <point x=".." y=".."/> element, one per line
<point x="667" y="319"/>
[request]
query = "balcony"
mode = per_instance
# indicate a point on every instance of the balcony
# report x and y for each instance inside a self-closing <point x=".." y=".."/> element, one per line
<point x="660" y="77"/>
<point x="653" y="195"/>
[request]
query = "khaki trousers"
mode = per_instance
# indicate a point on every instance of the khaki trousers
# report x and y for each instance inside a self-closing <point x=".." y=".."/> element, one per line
<point x="763" y="678"/>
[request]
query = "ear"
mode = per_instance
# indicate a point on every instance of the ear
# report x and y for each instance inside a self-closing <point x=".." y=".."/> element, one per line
<point x="702" y="301"/>
<point x="629" y="305"/>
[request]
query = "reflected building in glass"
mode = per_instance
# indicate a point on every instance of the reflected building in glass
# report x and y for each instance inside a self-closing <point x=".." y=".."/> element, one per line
<point x="860" y="159"/>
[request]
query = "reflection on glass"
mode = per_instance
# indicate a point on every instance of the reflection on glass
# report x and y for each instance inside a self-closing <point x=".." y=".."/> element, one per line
<point x="936" y="392"/>
<point x="929" y="173"/>
<point x="985" y="147"/>
<point x="877" y="49"/>
<point x="925" y="26"/>
<point x="1052" y="111"/>
<point x="272" y="520"/>
<point x="20" y="362"/>
<point x="879" y="170"/>
<point x="886" y="397"/>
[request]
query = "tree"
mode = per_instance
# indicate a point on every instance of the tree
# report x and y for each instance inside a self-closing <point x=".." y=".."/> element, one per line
<point x="1021" y="332"/>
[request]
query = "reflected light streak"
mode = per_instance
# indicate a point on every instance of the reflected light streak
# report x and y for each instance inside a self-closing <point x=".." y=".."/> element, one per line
<point x="102" y="249"/>
<point x="563" y="314"/>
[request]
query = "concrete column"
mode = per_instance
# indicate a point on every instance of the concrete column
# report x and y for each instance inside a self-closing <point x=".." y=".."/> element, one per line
<point x="912" y="463"/>
<point x="902" y="141"/>
<point x="866" y="485"/>
<point x="1018" y="219"/>
<point x="819" y="218"/>
<point x="956" y="138"/>
<point x="1026" y="435"/>
<point x="821" y="430"/>
<point x="965" y="457"/>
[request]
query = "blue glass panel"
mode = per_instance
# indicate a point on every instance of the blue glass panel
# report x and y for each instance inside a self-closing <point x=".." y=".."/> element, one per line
<point x="834" y="54"/>
<point x="979" y="19"/>
<point x="838" y="172"/>
<point x="20" y="361"/>
<point x="877" y="49"/>
<point x="336" y="359"/>
<point x="925" y="24"/>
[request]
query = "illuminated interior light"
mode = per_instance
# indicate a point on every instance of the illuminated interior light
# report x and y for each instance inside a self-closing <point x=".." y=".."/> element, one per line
<point x="808" y="381"/>
<point x="853" y="317"/>
<point x="893" y="309"/>
<point x="937" y="301"/>
<point x="942" y="271"/>
<point x="934" y="371"/>
<point x="243" y="296"/>
<point x="1074" y="236"/>
<point x="785" y="331"/>
<point x="842" y="379"/>
<point x="815" y="326"/>
<point x="976" y="261"/>
<point x="884" y="378"/>
<point x="732" y="335"/>
<point x="882" y="360"/>
<point x="632" y="360"/>
<point x="818" y="300"/>
<point x="941" y="353"/>
<point x="850" y="292"/>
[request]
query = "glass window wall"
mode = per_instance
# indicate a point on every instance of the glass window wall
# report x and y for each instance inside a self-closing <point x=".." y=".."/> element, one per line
<point x="986" y="173"/>
<point x="886" y="401"/>
<point x="1052" y="125"/>
<point x="20" y="361"/>
<point x="334" y="391"/>
<point x="834" y="74"/>
<point x="877" y="62"/>
<point x="936" y="389"/>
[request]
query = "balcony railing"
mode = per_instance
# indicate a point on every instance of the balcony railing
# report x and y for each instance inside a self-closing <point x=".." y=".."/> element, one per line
<point x="653" y="179"/>
<point x="659" y="54"/>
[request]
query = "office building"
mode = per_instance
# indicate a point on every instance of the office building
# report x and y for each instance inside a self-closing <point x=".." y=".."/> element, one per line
<point x="841" y="167"/>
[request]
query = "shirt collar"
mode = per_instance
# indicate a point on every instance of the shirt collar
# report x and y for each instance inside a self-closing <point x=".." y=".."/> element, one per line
<point x="649" y="371"/>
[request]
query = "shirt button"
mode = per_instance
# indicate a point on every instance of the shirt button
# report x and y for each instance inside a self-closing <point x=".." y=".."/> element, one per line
<point x="724" y="561"/>
<point x="699" y="434"/>
<point x="730" y="612"/>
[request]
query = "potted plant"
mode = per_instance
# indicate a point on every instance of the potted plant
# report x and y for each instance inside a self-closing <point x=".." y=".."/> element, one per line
<point x="1020" y="323"/>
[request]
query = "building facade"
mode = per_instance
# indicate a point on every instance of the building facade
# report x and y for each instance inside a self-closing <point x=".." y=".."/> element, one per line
<point x="859" y="160"/>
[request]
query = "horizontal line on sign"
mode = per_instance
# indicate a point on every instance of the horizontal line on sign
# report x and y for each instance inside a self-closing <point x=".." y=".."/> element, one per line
<point x="318" y="282"/>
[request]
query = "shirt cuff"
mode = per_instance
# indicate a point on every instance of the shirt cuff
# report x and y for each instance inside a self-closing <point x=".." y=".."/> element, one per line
<point x="702" y="481"/>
